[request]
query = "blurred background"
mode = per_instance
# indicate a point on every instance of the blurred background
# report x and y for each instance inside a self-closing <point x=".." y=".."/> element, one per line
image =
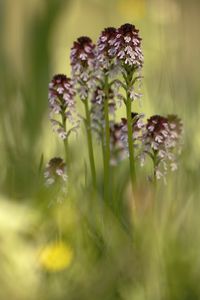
<point x="160" y="260"/>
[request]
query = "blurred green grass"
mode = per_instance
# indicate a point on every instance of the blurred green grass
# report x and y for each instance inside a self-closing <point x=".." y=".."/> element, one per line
<point x="160" y="258"/>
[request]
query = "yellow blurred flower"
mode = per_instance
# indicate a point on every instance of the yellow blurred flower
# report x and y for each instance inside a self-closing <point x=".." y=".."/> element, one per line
<point x="135" y="9"/>
<point x="56" y="257"/>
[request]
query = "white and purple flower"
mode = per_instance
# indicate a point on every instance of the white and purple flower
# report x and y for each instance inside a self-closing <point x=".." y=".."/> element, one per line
<point x="62" y="105"/>
<point x="82" y="62"/>
<point x="161" y="140"/>
<point x="55" y="171"/>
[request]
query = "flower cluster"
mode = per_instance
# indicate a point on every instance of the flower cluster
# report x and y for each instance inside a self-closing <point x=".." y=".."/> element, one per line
<point x="106" y="52"/>
<point x="82" y="62"/>
<point x="119" y="51"/>
<point x="62" y="104"/>
<point x="55" y="171"/>
<point x="128" y="46"/>
<point x="119" y="47"/>
<point x="161" y="138"/>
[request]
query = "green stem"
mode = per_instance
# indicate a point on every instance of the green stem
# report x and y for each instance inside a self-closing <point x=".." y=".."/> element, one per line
<point x="66" y="147"/>
<point x="155" y="165"/>
<point x="107" y="141"/>
<point x="154" y="186"/>
<point x="130" y="139"/>
<point x="103" y="146"/>
<point x="90" y="144"/>
<point x="129" y="81"/>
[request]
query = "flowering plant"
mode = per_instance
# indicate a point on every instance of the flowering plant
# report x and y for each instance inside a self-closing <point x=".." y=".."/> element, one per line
<point x="105" y="76"/>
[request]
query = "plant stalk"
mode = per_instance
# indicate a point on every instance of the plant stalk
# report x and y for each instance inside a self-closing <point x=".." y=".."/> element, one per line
<point x="65" y="141"/>
<point x="107" y="142"/>
<point x="90" y="144"/>
<point x="130" y="139"/>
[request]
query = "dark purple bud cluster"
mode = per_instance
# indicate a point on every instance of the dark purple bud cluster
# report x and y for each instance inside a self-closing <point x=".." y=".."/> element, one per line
<point x="62" y="104"/>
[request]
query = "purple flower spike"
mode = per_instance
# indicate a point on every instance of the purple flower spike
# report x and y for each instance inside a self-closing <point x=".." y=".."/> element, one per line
<point x="161" y="141"/>
<point x="61" y="93"/>
<point x="157" y="132"/>
<point x="128" y="46"/>
<point x="82" y="62"/>
<point x="106" y="51"/>
<point x="82" y="53"/>
<point x="61" y="103"/>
